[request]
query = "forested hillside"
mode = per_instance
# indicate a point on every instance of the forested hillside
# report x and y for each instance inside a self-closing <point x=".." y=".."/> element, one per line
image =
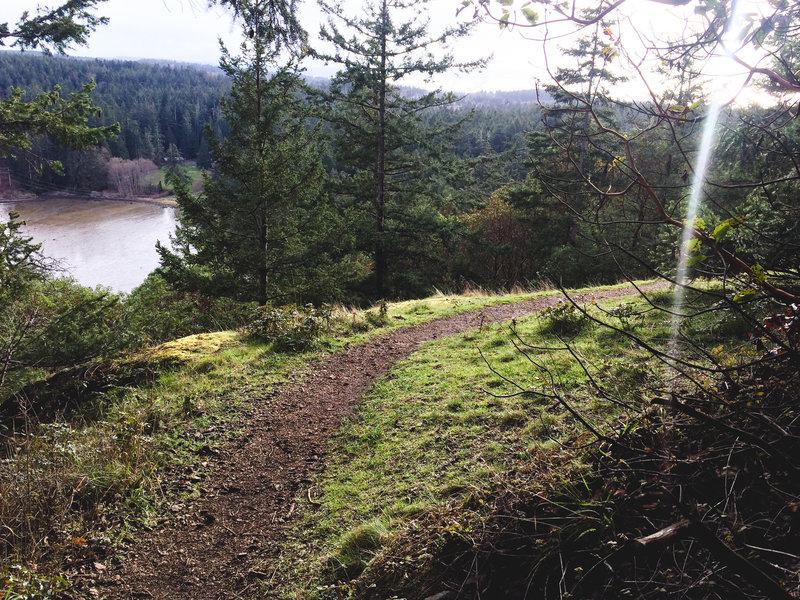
<point x="167" y="111"/>
<point x="162" y="111"/>
<point x="156" y="105"/>
<point x="159" y="104"/>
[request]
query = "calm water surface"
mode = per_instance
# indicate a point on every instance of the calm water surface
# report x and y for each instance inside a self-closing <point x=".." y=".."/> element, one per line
<point x="98" y="242"/>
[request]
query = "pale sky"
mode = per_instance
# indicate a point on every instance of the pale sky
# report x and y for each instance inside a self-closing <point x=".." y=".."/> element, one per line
<point x="186" y="31"/>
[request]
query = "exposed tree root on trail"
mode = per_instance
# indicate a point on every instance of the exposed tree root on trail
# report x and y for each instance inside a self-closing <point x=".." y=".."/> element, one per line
<point x="209" y="546"/>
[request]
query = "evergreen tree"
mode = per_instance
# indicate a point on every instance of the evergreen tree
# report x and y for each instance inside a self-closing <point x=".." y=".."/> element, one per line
<point x="252" y="232"/>
<point x="278" y="19"/>
<point x="65" y="120"/>
<point x="382" y="148"/>
<point x="174" y="163"/>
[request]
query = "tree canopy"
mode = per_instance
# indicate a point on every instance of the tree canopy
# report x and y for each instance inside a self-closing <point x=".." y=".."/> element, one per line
<point x="382" y="144"/>
<point x="66" y="120"/>
<point x="260" y="229"/>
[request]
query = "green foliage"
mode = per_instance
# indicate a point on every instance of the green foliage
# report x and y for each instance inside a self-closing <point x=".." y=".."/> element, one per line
<point x="156" y="105"/>
<point x="628" y="315"/>
<point x="64" y="120"/>
<point x="522" y="235"/>
<point x="293" y="328"/>
<point x="769" y="224"/>
<point x="174" y="166"/>
<point x="21" y="583"/>
<point x="261" y="228"/>
<point x="563" y="319"/>
<point x="379" y="318"/>
<point x="157" y="312"/>
<point x="388" y="158"/>
<point x="278" y="18"/>
<point x="57" y="28"/>
<point x="722" y="230"/>
<point x="54" y="324"/>
<point x="48" y="323"/>
<point x="20" y="261"/>
<point x="77" y="324"/>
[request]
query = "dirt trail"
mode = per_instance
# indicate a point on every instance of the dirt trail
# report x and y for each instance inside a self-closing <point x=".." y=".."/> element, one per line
<point x="208" y="548"/>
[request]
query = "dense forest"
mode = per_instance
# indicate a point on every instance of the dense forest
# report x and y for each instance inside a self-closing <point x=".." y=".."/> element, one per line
<point x="159" y="104"/>
<point x="156" y="106"/>
<point x="167" y="113"/>
<point x="643" y="448"/>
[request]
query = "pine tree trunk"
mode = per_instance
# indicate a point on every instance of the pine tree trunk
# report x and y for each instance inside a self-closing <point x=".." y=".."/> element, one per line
<point x="262" y="226"/>
<point x="381" y="266"/>
<point x="262" y="265"/>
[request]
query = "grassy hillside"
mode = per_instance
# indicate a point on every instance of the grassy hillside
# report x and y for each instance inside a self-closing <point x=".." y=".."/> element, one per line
<point x="107" y="455"/>
<point x="465" y="418"/>
<point x="481" y="457"/>
<point x="514" y="460"/>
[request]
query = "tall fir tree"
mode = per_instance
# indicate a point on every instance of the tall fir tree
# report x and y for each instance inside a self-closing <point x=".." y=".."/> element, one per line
<point x="383" y="149"/>
<point x="258" y="230"/>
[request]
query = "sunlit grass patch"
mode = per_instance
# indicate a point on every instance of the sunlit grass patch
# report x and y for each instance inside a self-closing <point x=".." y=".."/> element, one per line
<point x="351" y="325"/>
<point x="361" y="324"/>
<point x="457" y="417"/>
<point x="117" y="462"/>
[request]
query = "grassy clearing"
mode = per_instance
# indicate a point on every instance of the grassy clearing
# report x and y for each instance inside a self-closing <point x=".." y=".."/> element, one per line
<point x="79" y="484"/>
<point x="140" y="431"/>
<point x="194" y="173"/>
<point x="442" y="429"/>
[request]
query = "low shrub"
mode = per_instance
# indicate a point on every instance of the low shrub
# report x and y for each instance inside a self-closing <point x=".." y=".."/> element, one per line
<point x="51" y="324"/>
<point x="157" y="312"/>
<point x="380" y="317"/>
<point x="291" y="327"/>
<point x="563" y="319"/>
<point x="351" y="320"/>
<point x="627" y="315"/>
<point x="21" y="583"/>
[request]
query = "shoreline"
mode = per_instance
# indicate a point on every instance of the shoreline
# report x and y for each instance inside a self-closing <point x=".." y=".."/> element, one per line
<point x="164" y="202"/>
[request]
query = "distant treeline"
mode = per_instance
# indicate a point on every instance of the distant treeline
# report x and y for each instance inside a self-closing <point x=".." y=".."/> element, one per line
<point x="160" y="104"/>
<point x="156" y="105"/>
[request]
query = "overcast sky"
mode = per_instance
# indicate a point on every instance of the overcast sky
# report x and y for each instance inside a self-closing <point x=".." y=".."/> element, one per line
<point x="186" y="31"/>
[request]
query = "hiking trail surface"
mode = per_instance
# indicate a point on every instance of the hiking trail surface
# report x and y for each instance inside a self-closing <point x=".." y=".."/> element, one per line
<point x="207" y="549"/>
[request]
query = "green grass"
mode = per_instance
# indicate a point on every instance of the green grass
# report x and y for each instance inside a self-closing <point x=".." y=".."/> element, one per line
<point x="352" y="326"/>
<point x="119" y="460"/>
<point x="195" y="176"/>
<point x="125" y="455"/>
<point x="357" y="326"/>
<point x="442" y="427"/>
